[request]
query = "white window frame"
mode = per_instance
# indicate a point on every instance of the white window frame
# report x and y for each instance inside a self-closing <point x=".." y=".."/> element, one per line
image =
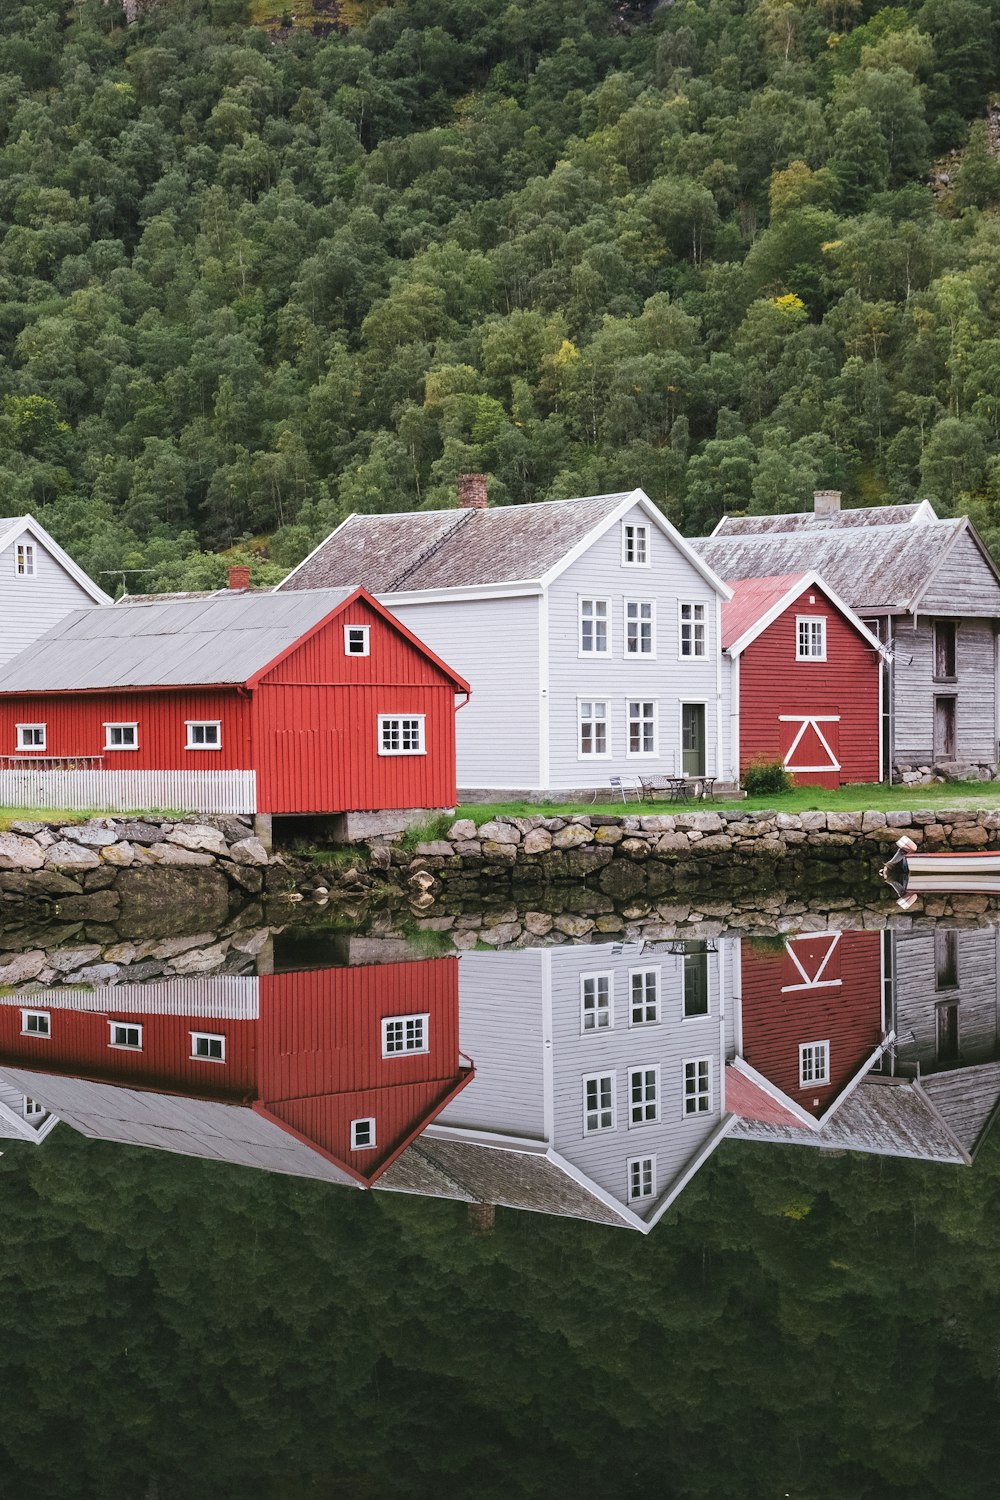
<point x="635" y="542"/>
<point x="113" y="1026"/>
<point x="590" y="989"/>
<point x="385" y="721"/>
<point x="191" y="725"/>
<point x="207" y="1036"/>
<point x="642" y="721"/>
<point x="645" y="974"/>
<point x="593" y="619"/>
<point x="24" y="560"/>
<point x="421" y="1017"/>
<point x="809" y="1050"/>
<point x="44" y="1015"/>
<point x="695" y="1015"/>
<point x="31" y="1108"/>
<point x="364" y="631"/>
<point x="592" y="719"/>
<point x="809" y="624"/>
<point x="691" y="625"/>
<point x="134" y="726"/>
<point x="599" y="1109"/>
<point x="699" y="1093"/>
<point x="22" y="729"/>
<point x="643" y="1070"/>
<point x="639" y="605"/>
<point x="371" y="1143"/>
<point x="642" y="1165"/>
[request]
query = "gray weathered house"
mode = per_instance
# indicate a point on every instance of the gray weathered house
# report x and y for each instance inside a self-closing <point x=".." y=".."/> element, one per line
<point x="39" y="584"/>
<point x="926" y="587"/>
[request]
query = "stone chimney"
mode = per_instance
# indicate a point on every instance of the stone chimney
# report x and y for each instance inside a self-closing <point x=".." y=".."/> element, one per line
<point x="472" y="492"/>
<point x="239" y="578"/>
<point x="825" y="502"/>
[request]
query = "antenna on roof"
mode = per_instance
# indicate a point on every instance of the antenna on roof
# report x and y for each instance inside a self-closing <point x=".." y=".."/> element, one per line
<point x="120" y="573"/>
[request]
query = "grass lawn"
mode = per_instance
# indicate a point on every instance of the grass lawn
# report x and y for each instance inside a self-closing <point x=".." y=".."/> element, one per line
<point x="9" y="815"/>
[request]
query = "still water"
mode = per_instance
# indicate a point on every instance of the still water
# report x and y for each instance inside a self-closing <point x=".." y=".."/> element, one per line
<point x="697" y="1217"/>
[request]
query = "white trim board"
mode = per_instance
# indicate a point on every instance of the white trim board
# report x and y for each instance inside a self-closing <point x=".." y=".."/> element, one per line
<point x="37" y="530"/>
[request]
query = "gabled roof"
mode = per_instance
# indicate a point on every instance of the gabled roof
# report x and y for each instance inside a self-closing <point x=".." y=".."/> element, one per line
<point x="13" y="527"/>
<point x="837" y="520"/>
<point x="470" y="549"/>
<point x="758" y="602"/>
<point x="229" y="639"/>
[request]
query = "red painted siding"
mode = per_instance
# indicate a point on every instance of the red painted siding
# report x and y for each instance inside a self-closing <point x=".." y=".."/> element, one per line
<point x="781" y="1011"/>
<point x="773" y="683"/>
<point x="75" y="726"/>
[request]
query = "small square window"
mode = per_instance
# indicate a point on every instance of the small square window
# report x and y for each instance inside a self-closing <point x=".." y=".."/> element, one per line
<point x="362" y="1134"/>
<point x="810" y="638"/>
<point x="641" y="1177"/>
<point x="36" y="1023"/>
<point x="203" y="734"/>
<point x="596" y="1002"/>
<point x="401" y="736"/>
<point x="125" y="1034"/>
<point x="694" y="641"/>
<point x="208" y="1046"/>
<point x="599" y="1103"/>
<point x="403" y="1035"/>
<point x="31" y="736"/>
<point x="644" y="985"/>
<point x="644" y="1095"/>
<point x="814" y="1064"/>
<point x="24" y="560"/>
<point x="121" y="736"/>
<point x="635" y="545"/>
<point x="698" y="1086"/>
<point x="356" y="640"/>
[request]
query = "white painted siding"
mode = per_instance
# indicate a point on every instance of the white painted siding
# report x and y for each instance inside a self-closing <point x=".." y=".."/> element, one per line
<point x="494" y="645"/>
<point x="665" y="678"/>
<point x="131" y="791"/>
<point x="31" y="606"/>
<point x="501" y="1027"/>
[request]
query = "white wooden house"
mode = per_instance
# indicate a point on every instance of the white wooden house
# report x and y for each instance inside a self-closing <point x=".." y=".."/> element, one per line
<point x="39" y="584"/>
<point x="589" y="629"/>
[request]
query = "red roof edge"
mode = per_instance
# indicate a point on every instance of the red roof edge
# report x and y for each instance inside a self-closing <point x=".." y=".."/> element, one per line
<point x="747" y="1099"/>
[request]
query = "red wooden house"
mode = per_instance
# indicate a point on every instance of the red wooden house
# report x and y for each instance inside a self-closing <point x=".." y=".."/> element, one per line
<point x="811" y="1026"/>
<point x="336" y="1067"/>
<point x="806" y="681"/>
<point x="312" y="702"/>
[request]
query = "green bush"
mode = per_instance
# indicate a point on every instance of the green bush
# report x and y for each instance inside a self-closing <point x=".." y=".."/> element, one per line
<point x="762" y="778"/>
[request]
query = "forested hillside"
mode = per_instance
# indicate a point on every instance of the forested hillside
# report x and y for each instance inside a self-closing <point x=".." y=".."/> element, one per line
<point x="248" y="285"/>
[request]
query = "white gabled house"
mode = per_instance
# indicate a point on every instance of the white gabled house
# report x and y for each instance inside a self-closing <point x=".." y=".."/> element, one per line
<point x="39" y="584"/>
<point x="589" y="628"/>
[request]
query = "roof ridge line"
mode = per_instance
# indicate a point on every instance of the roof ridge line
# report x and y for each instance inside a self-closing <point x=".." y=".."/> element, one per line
<point x="428" y="553"/>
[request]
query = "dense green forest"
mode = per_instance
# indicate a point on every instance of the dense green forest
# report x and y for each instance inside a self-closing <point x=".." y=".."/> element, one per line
<point x="797" y="1326"/>
<point x="250" y="283"/>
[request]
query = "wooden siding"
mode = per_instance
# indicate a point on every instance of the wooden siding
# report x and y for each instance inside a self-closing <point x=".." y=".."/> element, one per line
<point x="75" y="726"/>
<point x="664" y="678"/>
<point x="917" y="995"/>
<point x="502" y="1027"/>
<point x="974" y="689"/>
<point x="777" y="691"/>
<point x="31" y="606"/>
<point x="964" y="584"/>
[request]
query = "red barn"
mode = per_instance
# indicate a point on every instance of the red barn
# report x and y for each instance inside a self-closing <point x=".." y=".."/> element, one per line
<point x="806" y="681"/>
<point x="311" y="702"/>
<point x="350" y="1064"/>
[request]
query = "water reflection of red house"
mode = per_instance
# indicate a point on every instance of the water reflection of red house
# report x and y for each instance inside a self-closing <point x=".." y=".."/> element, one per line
<point x="351" y="1063"/>
<point x="811" y="1026"/>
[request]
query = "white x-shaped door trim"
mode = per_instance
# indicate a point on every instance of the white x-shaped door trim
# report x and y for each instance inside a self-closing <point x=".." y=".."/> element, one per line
<point x="810" y="721"/>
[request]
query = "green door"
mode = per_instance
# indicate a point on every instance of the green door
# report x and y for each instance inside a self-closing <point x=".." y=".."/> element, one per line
<point x="693" y="739"/>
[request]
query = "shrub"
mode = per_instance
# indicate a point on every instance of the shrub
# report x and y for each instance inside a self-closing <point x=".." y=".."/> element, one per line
<point x="762" y="778"/>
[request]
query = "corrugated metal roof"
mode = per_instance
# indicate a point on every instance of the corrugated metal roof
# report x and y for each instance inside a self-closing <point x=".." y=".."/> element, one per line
<point x="226" y="638"/>
<point x="837" y="520"/>
<point x="452" y="548"/>
<point x="884" y="1117"/>
<point x="186" y="594"/>
<point x="752" y="598"/>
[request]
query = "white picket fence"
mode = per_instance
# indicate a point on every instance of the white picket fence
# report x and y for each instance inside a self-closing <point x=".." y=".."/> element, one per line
<point x="130" y="791"/>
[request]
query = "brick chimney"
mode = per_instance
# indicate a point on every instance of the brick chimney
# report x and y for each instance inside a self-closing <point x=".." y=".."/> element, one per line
<point x="825" y="502"/>
<point x="472" y="492"/>
<point x="239" y="578"/>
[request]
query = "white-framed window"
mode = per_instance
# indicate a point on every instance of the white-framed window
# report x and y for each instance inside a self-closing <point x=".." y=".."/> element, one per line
<point x="635" y="544"/>
<point x="595" y="627"/>
<point x="641" y="1177"/>
<point x="24" y="560"/>
<point x="643" y="1095"/>
<point x="363" y="1134"/>
<point x="31" y="736"/>
<point x="810" y="638"/>
<point x="814" y="1064"/>
<point x="640" y="627"/>
<point x="356" y="640"/>
<point x="644" y="997"/>
<point x="594" y="738"/>
<point x="597" y="1002"/>
<point x="208" y="1046"/>
<point x="693" y="630"/>
<point x="404" y="1035"/>
<point x="642" y="726"/>
<point x="401" y="734"/>
<point x="121" y="736"/>
<point x="698" y="1086"/>
<point x="694" y="983"/>
<point x="36" y="1023"/>
<point x="127" y="1034"/>
<point x="203" y="734"/>
<point x="31" y="1109"/>
<point x="598" y="1103"/>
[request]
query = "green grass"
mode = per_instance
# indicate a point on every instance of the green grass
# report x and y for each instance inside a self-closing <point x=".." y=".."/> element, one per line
<point x="53" y="815"/>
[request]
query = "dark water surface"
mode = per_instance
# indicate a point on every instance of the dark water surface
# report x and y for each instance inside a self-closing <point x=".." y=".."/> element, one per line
<point x="713" y="1217"/>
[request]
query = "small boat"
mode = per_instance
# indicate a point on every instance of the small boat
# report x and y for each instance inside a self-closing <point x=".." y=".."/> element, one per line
<point x="912" y="873"/>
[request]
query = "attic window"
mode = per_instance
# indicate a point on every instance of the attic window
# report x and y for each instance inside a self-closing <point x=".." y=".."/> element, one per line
<point x="356" y="640"/>
<point x="641" y="1177"/>
<point x="362" y="1134"/>
<point x="814" y="1063"/>
<point x="810" y="638"/>
<point x="24" y="560"/>
<point x="635" y="545"/>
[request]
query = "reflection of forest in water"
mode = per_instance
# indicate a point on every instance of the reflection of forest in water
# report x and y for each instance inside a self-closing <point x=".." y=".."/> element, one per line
<point x="813" y="1321"/>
